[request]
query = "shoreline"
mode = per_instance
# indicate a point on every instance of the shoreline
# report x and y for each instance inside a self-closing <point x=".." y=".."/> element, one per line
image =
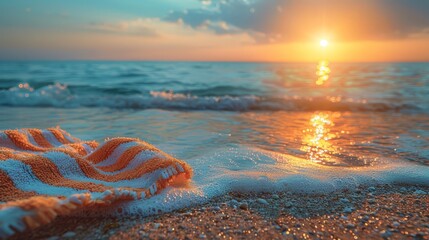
<point x="384" y="211"/>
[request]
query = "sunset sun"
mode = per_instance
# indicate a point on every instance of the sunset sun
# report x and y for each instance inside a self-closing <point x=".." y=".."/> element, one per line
<point x="324" y="43"/>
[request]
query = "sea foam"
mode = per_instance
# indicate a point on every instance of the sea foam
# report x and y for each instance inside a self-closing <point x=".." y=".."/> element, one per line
<point x="247" y="170"/>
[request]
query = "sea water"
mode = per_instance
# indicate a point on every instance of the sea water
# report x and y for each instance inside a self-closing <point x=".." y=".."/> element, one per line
<point x="313" y="127"/>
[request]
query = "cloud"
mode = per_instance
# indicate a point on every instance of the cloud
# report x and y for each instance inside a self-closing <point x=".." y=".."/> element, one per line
<point x="296" y="20"/>
<point x="139" y="27"/>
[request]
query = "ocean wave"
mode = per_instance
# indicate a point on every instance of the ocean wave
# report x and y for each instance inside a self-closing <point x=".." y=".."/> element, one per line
<point x="61" y="96"/>
<point x="132" y="75"/>
<point x="221" y="90"/>
<point x="56" y="95"/>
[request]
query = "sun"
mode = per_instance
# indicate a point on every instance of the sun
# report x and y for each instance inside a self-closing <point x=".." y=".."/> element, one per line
<point x="324" y="43"/>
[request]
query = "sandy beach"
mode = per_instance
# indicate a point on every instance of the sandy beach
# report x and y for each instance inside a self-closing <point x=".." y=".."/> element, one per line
<point x="382" y="212"/>
<point x="214" y="119"/>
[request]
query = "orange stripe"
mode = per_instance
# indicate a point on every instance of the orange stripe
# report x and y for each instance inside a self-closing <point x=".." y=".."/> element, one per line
<point x="92" y="144"/>
<point x="59" y="135"/>
<point x="78" y="147"/>
<point x="107" y="149"/>
<point x="6" y="154"/>
<point x="39" y="138"/>
<point x="124" y="159"/>
<point x="21" y="141"/>
<point x="8" y="190"/>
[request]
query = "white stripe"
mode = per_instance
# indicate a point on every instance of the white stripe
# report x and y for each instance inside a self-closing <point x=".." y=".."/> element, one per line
<point x="88" y="149"/>
<point x="117" y="153"/>
<point x="170" y="172"/>
<point x="30" y="137"/>
<point x="164" y="174"/>
<point x="51" y="138"/>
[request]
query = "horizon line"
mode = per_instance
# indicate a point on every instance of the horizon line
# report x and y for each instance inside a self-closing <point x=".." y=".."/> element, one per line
<point x="200" y="61"/>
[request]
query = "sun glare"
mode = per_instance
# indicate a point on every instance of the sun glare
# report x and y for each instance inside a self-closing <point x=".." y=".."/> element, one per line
<point x="324" y="43"/>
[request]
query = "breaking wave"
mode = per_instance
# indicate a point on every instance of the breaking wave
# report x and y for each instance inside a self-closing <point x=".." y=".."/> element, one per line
<point x="61" y="96"/>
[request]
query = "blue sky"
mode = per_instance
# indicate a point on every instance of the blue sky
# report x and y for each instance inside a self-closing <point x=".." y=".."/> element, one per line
<point x="76" y="13"/>
<point x="200" y="29"/>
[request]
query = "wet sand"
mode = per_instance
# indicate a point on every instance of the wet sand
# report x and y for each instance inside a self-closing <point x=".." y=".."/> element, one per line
<point x="389" y="212"/>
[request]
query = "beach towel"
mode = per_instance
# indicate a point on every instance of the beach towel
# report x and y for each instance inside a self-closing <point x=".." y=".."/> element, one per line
<point x="48" y="173"/>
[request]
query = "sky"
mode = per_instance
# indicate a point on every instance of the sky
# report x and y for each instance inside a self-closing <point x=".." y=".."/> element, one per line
<point x="215" y="30"/>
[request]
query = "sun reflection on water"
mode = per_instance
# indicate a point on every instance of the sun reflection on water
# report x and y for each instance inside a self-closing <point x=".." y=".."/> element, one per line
<point x="322" y="73"/>
<point x="316" y="142"/>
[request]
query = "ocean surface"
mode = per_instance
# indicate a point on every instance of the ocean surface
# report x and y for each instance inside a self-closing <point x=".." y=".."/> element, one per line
<point x="241" y="126"/>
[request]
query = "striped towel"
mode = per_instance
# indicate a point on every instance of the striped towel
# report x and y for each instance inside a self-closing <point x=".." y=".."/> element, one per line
<point x="47" y="173"/>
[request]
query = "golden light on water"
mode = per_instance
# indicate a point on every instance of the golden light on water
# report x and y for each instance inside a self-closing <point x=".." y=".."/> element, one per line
<point x="322" y="73"/>
<point x="316" y="141"/>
